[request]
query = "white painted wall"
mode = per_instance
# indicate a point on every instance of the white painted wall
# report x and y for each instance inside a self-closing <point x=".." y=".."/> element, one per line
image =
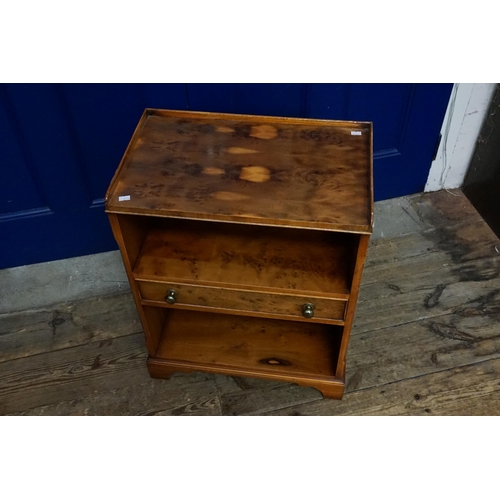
<point x="469" y="103"/>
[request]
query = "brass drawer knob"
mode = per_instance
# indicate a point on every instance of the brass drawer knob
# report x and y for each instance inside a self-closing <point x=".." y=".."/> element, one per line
<point x="308" y="310"/>
<point x="171" y="296"/>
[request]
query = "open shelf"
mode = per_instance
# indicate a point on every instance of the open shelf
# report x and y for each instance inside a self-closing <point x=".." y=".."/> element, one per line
<point x="275" y="258"/>
<point x="215" y="342"/>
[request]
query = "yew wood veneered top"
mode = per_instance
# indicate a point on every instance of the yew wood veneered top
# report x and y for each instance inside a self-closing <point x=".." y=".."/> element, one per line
<point x="251" y="169"/>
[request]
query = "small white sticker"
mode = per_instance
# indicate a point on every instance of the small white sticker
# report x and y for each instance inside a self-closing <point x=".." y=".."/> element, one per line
<point x="355" y="132"/>
<point x="124" y="198"/>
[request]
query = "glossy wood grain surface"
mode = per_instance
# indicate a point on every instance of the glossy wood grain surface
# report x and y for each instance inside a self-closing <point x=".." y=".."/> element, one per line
<point x="262" y="170"/>
<point x="283" y="259"/>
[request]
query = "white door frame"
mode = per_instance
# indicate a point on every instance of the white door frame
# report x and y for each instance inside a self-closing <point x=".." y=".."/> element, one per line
<point x="467" y="108"/>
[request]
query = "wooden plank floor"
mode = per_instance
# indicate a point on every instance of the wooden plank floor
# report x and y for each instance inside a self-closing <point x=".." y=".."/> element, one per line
<point x="426" y="340"/>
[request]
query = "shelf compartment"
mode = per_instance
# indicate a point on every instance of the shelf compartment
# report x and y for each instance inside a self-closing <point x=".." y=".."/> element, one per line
<point x="260" y="257"/>
<point x="243" y="302"/>
<point x="246" y="346"/>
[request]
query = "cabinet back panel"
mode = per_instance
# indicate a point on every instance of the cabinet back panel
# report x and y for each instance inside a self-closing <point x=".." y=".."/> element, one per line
<point x="259" y="256"/>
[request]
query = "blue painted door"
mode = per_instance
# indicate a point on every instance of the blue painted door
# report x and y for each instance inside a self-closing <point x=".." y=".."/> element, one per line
<point x="60" y="145"/>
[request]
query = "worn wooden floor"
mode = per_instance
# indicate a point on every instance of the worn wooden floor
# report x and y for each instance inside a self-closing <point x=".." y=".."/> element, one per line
<point x="426" y="340"/>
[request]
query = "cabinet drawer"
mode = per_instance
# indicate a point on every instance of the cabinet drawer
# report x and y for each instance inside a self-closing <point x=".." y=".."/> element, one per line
<point x="242" y="300"/>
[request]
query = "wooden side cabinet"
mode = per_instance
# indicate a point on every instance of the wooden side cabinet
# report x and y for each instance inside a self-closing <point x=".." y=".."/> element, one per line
<point x="244" y="239"/>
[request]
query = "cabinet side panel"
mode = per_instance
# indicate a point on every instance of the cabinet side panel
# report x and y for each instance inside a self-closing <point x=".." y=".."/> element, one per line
<point x="129" y="233"/>
<point x="156" y="318"/>
<point x="133" y="230"/>
<point x="364" y="239"/>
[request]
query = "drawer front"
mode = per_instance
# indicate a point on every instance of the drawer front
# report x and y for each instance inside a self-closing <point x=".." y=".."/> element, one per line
<point x="241" y="300"/>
